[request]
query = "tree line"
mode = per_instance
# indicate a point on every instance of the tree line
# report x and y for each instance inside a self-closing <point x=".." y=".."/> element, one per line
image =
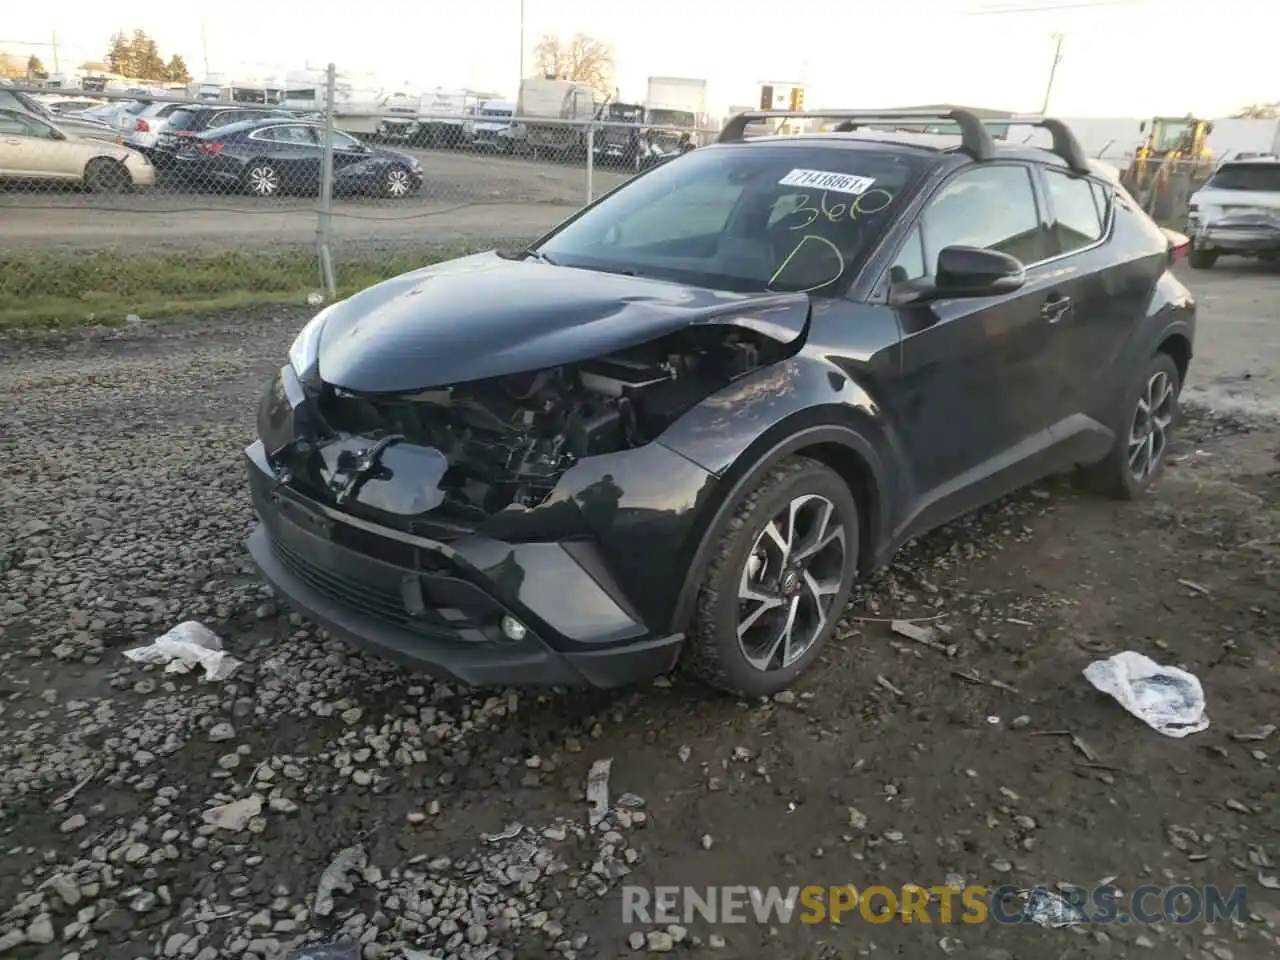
<point x="137" y="56"/>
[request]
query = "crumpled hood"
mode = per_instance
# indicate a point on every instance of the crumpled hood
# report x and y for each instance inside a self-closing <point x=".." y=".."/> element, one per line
<point x="482" y="316"/>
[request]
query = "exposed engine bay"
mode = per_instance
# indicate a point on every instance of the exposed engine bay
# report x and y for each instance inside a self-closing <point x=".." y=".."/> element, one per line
<point x="509" y="439"/>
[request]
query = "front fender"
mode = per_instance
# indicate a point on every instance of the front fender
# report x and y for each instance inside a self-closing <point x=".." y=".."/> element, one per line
<point x="738" y="434"/>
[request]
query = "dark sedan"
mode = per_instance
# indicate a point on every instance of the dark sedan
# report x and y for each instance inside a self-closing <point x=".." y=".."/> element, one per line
<point x="271" y="157"/>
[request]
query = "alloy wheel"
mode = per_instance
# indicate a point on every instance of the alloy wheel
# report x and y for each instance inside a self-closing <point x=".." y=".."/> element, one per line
<point x="1149" y="433"/>
<point x="264" y="181"/>
<point x="397" y="183"/>
<point x="789" y="583"/>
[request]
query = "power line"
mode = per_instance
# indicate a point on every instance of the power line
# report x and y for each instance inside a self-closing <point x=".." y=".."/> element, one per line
<point x="1046" y="7"/>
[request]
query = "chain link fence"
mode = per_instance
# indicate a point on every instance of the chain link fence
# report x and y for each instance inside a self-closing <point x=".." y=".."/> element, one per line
<point x="309" y="192"/>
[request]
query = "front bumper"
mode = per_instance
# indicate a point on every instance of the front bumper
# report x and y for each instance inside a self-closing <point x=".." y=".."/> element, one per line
<point x="437" y="607"/>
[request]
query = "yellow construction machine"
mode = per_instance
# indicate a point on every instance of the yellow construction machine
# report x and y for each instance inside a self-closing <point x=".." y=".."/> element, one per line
<point x="1173" y="155"/>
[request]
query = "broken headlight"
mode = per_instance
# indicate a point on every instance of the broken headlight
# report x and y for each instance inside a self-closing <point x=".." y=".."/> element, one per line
<point x="305" y="352"/>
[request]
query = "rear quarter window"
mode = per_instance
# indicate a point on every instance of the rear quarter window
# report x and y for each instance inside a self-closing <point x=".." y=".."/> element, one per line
<point x="1079" y="207"/>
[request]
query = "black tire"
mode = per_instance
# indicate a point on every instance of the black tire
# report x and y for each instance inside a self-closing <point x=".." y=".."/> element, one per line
<point x="1113" y="476"/>
<point x="107" y="175"/>
<point x="397" y="183"/>
<point x="713" y="651"/>
<point x="1202" y="259"/>
<point x="262" y="179"/>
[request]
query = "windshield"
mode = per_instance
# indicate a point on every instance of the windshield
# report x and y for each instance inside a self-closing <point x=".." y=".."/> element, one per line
<point x="1264" y="177"/>
<point x="744" y="219"/>
<point x="670" y="118"/>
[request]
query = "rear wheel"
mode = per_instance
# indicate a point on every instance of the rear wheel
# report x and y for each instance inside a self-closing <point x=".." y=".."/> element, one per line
<point x="778" y="582"/>
<point x="1202" y="259"/>
<point x="1143" y="435"/>
<point x="105" y="175"/>
<point x="262" y="179"/>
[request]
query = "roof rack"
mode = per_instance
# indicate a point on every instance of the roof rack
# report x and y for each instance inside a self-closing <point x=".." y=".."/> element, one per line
<point x="1065" y="143"/>
<point x="975" y="139"/>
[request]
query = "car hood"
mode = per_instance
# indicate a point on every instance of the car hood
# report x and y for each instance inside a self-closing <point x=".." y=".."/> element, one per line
<point x="484" y="316"/>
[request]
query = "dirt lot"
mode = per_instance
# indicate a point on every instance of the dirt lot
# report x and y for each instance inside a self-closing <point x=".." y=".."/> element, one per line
<point x="122" y="512"/>
<point x="464" y="196"/>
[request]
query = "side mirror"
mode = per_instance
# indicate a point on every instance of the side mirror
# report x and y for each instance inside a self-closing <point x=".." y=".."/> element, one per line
<point x="963" y="272"/>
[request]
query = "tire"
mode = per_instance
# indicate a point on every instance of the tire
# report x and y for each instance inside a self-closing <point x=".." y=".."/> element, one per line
<point x="105" y="175"/>
<point x="1202" y="259"/>
<point x="262" y="179"/>
<point x="749" y="560"/>
<point x="1114" y="476"/>
<point x="396" y="183"/>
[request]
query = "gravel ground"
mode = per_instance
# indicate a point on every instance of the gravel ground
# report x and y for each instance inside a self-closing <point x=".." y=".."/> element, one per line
<point x="146" y="814"/>
<point x="464" y="196"/>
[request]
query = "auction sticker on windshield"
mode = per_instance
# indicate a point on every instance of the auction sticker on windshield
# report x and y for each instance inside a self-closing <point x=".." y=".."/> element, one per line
<point x="826" y="180"/>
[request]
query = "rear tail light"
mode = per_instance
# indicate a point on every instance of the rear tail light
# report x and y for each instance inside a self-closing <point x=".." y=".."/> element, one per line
<point x="141" y="126"/>
<point x="209" y="149"/>
<point x="1178" y="250"/>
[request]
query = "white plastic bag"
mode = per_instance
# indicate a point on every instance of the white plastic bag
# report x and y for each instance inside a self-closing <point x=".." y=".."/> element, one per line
<point x="1166" y="699"/>
<point x="188" y="645"/>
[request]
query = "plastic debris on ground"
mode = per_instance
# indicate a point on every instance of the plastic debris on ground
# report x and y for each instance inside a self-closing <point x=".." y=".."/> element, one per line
<point x="598" y="791"/>
<point x="509" y="832"/>
<point x="188" y="645"/>
<point x="1169" y="700"/>
<point x="336" y="877"/>
<point x="1050" y="909"/>
<point x="346" y="950"/>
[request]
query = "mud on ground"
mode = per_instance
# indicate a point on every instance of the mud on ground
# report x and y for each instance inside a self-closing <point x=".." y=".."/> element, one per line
<point x="122" y="512"/>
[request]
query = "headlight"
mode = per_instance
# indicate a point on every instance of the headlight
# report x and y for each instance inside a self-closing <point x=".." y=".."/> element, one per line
<point x="305" y="352"/>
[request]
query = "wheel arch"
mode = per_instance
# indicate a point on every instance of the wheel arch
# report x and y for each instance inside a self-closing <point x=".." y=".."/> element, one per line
<point x="845" y="447"/>
<point x="1178" y="346"/>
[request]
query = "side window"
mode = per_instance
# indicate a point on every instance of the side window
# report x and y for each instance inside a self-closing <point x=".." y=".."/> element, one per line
<point x="993" y="207"/>
<point x="909" y="264"/>
<point x="291" y="135"/>
<point x="1079" y="208"/>
<point x="13" y="126"/>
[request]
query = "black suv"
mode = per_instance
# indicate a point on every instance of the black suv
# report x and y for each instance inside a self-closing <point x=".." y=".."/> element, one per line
<point x="678" y="426"/>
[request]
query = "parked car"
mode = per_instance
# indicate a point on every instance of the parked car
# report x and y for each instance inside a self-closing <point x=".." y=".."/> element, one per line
<point x="64" y="106"/>
<point x="149" y="124"/>
<point x="271" y="157"/>
<point x="78" y="126"/>
<point x="681" y="424"/>
<point x="33" y="149"/>
<point x="1237" y="212"/>
<point x="191" y="120"/>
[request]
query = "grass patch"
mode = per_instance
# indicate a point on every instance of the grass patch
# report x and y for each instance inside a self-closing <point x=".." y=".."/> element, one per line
<point x="103" y="287"/>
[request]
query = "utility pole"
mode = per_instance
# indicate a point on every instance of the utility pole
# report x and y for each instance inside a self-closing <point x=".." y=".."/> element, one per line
<point x="204" y="44"/>
<point x="56" y="67"/>
<point x="521" y="78"/>
<point x="1053" y="70"/>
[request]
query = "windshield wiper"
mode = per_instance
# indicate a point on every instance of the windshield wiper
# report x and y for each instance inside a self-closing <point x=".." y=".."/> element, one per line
<point x="527" y="254"/>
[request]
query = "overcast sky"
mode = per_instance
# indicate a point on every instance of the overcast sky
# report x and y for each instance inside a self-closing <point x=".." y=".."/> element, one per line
<point x="1119" y="57"/>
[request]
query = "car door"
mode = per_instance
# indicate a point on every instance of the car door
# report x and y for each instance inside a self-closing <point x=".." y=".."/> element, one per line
<point x="1098" y="294"/>
<point x="295" y="153"/>
<point x="29" y="147"/>
<point x="347" y="151"/>
<point x="972" y="400"/>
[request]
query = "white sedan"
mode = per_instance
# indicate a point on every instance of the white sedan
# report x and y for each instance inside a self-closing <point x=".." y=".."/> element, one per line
<point x="33" y="149"/>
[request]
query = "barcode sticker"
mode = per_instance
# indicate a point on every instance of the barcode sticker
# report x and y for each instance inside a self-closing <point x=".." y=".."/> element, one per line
<point x="826" y="180"/>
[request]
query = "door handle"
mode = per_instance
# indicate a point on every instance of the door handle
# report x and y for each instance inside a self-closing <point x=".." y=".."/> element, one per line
<point x="1055" y="308"/>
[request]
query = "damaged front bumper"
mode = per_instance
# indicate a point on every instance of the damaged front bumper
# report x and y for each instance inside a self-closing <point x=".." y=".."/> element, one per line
<point x="439" y="607"/>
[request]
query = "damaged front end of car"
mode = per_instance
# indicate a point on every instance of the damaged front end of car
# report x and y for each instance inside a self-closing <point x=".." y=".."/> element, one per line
<point x="498" y="529"/>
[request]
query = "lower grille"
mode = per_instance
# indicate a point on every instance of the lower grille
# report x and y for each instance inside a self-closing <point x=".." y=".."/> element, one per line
<point x="373" y="600"/>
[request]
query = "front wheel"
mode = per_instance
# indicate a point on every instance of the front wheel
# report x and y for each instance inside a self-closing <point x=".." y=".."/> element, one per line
<point x="1202" y="259"/>
<point x="778" y="582"/>
<point x="1142" y="439"/>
